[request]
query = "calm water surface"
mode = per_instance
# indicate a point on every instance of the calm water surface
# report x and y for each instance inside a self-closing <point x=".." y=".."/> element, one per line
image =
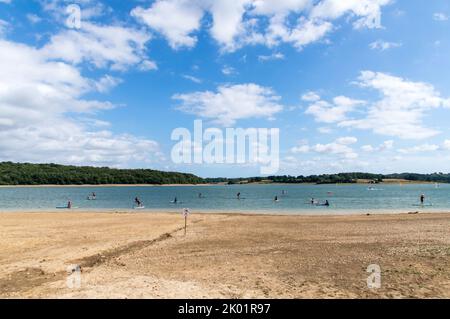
<point x="296" y="198"/>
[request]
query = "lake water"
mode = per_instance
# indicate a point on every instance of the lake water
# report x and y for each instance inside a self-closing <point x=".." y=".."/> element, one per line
<point x="343" y="198"/>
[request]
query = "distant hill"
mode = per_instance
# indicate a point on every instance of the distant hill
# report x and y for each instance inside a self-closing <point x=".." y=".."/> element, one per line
<point x="53" y="174"/>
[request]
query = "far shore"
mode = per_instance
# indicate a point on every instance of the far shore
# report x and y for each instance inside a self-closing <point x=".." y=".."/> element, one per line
<point x="109" y="185"/>
<point x="134" y="255"/>
<point x="364" y="182"/>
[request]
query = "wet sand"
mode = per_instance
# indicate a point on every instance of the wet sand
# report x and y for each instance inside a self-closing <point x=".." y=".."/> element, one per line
<point x="147" y="255"/>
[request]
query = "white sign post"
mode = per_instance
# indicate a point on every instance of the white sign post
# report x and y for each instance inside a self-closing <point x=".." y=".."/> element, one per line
<point x="186" y="213"/>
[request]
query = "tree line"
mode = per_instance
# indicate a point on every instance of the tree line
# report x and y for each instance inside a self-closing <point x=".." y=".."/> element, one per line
<point x="54" y="174"/>
<point x="341" y="178"/>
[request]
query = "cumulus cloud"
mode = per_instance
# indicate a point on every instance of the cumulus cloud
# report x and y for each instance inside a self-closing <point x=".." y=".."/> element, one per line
<point x="176" y="20"/>
<point x="101" y="45"/>
<point x="231" y="103"/>
<point x="40" y="99"/>
<point x="326" y="112"/>
<point x="401" y="109"/>
<point x="242" y="22"/>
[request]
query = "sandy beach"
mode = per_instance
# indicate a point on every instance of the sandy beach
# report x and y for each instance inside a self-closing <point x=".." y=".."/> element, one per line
<point x="129" y="255"/>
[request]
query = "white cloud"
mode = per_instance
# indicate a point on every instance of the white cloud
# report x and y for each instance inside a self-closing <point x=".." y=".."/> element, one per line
<point x="337" y="111"/>
<point x="273" y="56"/>
<point x="231" y="103"/>
<point x="242" y="22"/>
<point x="192" y="78"/>
<point x="33" y="18"/>
<point x="40" y="100"/>
<point x="101" y="45"/>
<point x="90" y="9"/>
<point x="301" y="149"/>
<point x="175" y="19"/>
<point x="401" y="109"/>
<point x="439" y="16"/>
<point x="311" y="97"/>
<point x="419" y="149"/>
<point x="386" y="145"/>
<point x="367" y="12"/>
<point x="340" y="147"/>
<point x="348" y="140"/>
<point x="147" y="65"/>
<point x="325" y="130"/>
<point x="384" y="45"/>
<point x="228" y="70"/>
<point x="446" y="145"/>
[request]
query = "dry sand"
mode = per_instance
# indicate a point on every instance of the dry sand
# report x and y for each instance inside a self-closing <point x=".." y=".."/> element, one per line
<point x="126" y="255"/>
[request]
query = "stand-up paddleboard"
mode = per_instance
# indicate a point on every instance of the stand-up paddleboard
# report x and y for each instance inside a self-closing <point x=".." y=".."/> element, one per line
<point x="65" y="207"/>
<point x="91" y="198"/>
<point x="422" y="205"/>
<point x="138" y="207"/>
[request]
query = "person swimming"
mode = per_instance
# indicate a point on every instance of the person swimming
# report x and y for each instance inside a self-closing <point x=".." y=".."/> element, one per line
<point x="276" y="199"/>
<point x="313" y="201"/>
<point x="200" y="195"/>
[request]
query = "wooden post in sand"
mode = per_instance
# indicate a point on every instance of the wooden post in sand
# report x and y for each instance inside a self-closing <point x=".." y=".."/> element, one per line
<point x="185" y="214"/>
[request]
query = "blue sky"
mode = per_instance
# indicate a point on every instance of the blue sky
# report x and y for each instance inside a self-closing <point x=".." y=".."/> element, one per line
<point x="352" y="85"/>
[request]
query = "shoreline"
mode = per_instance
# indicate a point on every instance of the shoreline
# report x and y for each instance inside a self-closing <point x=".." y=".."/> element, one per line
<point x="281" y="213"/>
<point x="393" y="182"/>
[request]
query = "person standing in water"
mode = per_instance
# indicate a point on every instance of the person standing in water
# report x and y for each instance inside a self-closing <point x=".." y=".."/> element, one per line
<point x="238" y="195"/>
<point x="69" y="204"/>
<point x="276" y="198"/>
<point x="422" y="199"/>
<point x="175" y="200"/>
